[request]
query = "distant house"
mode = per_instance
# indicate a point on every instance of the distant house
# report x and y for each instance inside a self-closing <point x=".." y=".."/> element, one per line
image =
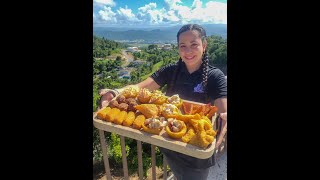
<point x="128" y="77"/>
<point x="123" y="72"/>
<point x="133" y="49"/>
<point x="138" y="62"/>
<point x="165" y="46"/>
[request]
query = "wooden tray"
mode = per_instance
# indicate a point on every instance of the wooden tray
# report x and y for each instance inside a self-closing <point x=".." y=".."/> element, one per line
<point x="161" y="140"/>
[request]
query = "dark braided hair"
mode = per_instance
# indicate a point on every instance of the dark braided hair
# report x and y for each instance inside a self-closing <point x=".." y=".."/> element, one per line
<point x="205" y="60"/>
<point x="205" y="64"/>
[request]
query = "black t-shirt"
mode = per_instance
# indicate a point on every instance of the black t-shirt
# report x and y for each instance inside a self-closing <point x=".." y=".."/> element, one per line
<point x="189" y="87"/>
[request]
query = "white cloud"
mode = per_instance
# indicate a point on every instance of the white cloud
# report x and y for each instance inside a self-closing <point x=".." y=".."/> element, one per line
<point x="147" y="7"/>
<point x="170" y="17"/>
<point x="107" y="15"/>
<point x="173" y="12"/>
<point x="105" y="2"/>
<point x="196" y="4"/>
<point x="125" y="15"/>
<point x="150" y="14"/>
<point x="172" y="4"/>
<point x="215" y="12"/>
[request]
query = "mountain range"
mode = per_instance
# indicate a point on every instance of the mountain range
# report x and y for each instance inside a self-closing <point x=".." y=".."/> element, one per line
<point x="153" y="34"/>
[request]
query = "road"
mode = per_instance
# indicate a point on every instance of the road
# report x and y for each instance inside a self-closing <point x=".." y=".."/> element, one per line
<point x="128" y="57"/>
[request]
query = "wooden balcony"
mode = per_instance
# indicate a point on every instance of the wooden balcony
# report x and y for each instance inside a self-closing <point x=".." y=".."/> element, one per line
<point x="104" y="147"/>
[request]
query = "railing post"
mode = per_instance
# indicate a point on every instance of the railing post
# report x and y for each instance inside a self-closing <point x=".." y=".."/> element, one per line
<point x="153" y="160"/>
<point x="139" y="147"/>
<point x="124" y="158"/>
<point x="164" y="168"/>
<point x="105" y="154"/>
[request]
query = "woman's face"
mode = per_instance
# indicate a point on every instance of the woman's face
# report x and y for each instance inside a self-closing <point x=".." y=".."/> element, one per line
<point x="191" y="48"/>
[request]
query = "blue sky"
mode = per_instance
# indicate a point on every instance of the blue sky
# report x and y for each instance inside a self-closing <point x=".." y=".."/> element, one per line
<point x="158" y="12"/>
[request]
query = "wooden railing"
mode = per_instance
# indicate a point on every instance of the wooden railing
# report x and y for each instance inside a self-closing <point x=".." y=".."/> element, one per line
<point x="104" y="147"/>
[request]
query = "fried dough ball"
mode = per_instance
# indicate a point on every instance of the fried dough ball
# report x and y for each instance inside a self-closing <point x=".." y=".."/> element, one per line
<point x="113" y="104"/>
<point x="144" y="95"/>
<point x="131" y="102"/>
<point x="131" y="107"/>
<point x="130" y="92"/>
<point x="121" y="99"/>
<point x="123" y="106"/>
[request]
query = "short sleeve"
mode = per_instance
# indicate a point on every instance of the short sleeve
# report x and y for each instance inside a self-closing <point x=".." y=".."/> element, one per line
<point x="163" y="75"/>
<point x="217" y="84"/>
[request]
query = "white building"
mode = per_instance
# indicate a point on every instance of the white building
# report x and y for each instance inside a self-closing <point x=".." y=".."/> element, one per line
<point x="133" y="49"/>
<point x="166" y="47"/>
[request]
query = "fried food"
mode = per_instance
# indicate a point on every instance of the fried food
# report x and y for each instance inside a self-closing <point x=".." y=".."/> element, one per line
<point x="190" y="108"/>
<point x="204" y="125"/>
<point x="123" y="106"/>
<point x="144" y="95"/>
<point x="203" y="134"/>
<point x="190" y="133"/>
<point x="190" y="125"/>
<point x="130" y="92"/>
<point x="175" y="128"/>
<point x="112" y="114"/>
<point x="175" y="100"/>
<point x="129" y="119"/>
<point x="200" y="124"/>
<point x="113" y="104"/>
<point x="213" y="110"/>
<point x="138" y="121"/>
<point x="186" y="117"/>
<point x="169" y="110"/>
<point x="157" y="97"/>
<point x="149" y="110"/>
<point x="121" y="99"/>
<point x="120" y="117"/>
<point x="201" y="139"/>
<point x="131" y="102"/>
<point x="103" y="112"/>
<point x="202" y="109"/>
<point x="211" y="132"/>
<point x="154" y="125"/>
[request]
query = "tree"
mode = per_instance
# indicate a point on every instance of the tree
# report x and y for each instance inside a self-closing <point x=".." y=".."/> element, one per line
<point x="152" y="46"/>
<point x="118" y="58"/>
<point x="152" y="59"/>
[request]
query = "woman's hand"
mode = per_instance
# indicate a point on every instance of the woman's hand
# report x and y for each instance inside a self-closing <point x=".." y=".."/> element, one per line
<point x="223" y="117"/>
<point x="103" y="91"/>
<point x="106" y="96"/>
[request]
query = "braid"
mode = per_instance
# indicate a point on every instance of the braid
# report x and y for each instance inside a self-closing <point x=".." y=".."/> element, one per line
<point x="205" y="64"/>
<point x="174" y="75"/>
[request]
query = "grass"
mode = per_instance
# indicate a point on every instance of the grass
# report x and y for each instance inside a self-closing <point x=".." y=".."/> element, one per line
<point x="154" y="68"/>
<point x="115" y="84"/>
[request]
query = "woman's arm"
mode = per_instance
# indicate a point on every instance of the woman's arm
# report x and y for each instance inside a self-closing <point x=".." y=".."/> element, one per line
<point x="149" y="83"/>
<point x="221" y="104"/>
<point x="106" y="95"/>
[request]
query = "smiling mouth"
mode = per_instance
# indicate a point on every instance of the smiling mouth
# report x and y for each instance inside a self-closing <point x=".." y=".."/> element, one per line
<point x="189" y="58"/>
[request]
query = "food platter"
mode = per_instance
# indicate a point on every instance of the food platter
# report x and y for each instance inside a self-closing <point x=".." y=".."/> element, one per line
<point x="162" y="139"/>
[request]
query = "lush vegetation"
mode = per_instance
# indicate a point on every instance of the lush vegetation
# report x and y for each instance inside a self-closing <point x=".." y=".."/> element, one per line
<point x="105" y="75"/>
<point x="104" y="47"/>
<point x="217" y="50"/>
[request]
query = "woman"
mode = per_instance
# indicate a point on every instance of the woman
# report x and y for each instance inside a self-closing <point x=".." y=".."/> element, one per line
<point x="193" y="79"/>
